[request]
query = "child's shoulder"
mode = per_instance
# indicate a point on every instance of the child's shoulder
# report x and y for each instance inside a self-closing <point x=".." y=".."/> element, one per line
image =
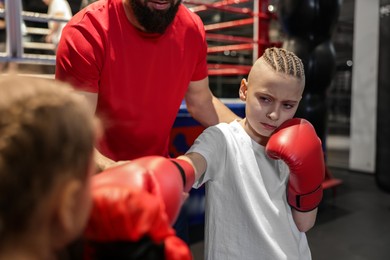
<point x="222" y="126"/>
<point x="232" y="124"/>
<point x="225" y="129"/>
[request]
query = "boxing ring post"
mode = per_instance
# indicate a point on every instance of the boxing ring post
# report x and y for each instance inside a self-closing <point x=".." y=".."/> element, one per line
<point x="13" y="22"/>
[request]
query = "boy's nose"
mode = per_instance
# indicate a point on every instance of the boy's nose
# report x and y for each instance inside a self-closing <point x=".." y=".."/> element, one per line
<point x="273" y="115"/>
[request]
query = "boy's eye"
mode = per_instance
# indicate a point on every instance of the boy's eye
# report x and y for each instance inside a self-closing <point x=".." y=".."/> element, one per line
<point x="288" y="106"/>
<point x="265" y="99"/>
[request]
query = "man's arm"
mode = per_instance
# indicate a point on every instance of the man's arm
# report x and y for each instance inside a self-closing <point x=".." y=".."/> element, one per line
<point x="102" y="162"/>
<point x="91" y="98"/>
<point x="204" y="106"/>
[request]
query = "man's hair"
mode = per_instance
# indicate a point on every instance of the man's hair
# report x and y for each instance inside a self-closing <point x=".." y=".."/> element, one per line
<point x="46" y="135"/>
<point x="284" y="61"/>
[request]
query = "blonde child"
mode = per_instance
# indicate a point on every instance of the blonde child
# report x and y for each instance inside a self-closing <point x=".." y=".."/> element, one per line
<point x="263" y="173"/>
<point x="47" y="138"/>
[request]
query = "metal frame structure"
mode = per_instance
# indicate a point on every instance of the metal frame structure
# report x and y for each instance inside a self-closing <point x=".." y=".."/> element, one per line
<point x="252" y="14"/>
<point x="14" y="15"/>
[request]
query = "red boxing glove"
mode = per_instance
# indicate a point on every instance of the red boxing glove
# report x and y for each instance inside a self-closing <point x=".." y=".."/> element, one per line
<point x="297" y="144"/>
<point x="167" y="178"/>
<point x="124" y="211"/>
<point x="173" y="176"/>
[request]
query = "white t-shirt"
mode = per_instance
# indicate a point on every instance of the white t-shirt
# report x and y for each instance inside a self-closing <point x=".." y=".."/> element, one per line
<point x="247" y="214"/>
<point x="55" y="7"/>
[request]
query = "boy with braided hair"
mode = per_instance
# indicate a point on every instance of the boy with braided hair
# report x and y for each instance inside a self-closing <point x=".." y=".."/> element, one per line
<point x="47" y="139"/>
<point x="263" y="173"/>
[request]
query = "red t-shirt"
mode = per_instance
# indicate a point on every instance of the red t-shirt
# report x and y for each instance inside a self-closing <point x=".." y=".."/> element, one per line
<point x="140" y="78"/>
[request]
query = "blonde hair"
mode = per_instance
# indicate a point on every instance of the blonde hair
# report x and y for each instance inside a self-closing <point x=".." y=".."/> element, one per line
<point x="47" y="134"/>
<point x="284" y="61"/>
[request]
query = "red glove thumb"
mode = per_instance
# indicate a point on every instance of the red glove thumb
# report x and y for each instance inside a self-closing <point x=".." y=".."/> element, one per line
<point x="124" y="213"/>
<point x="173" y="177"/>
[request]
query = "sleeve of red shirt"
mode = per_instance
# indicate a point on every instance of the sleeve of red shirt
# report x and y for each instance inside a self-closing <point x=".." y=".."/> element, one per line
<point x="80" y="56"/>
<point x="201" y="71"/>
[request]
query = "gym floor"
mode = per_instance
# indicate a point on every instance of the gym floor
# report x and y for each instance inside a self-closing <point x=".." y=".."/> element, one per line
<point x="353" y="223"/>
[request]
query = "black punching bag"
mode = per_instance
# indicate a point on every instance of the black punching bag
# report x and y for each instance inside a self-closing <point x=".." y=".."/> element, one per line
<point x="311" y="20"/>
<point x="309" y="25"/>
<point x="382" y="172"/>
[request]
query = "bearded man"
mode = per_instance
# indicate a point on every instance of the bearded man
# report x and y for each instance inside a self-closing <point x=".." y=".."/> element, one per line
<point x="135" y="61"/>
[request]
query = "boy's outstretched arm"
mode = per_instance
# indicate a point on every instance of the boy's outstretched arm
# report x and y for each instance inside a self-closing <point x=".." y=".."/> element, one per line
<point x="197" y="161"/>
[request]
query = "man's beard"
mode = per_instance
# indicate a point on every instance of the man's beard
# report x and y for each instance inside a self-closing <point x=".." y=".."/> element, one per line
<point x="154" y="21"/>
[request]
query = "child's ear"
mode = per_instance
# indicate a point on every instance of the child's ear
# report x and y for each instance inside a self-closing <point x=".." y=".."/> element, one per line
<point x="69" y="209"/>
<point x="243" y="89"/>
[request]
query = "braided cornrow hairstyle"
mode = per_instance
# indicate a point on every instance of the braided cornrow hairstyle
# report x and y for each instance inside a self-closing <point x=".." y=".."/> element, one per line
<point x="284" y="61"/>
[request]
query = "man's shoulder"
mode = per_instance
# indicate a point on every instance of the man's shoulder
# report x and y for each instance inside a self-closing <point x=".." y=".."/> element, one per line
<point x="189" y="17"/>
<point x="96" y="11"/>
